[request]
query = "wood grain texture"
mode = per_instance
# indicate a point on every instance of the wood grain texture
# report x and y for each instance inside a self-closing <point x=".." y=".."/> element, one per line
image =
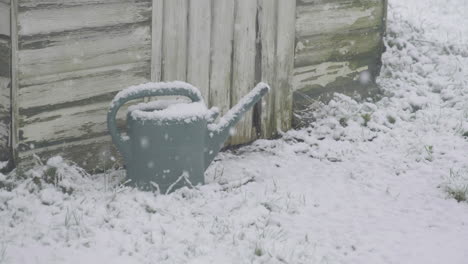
<point x="268" y="23"/>
<point x="69" y="70"/>
<point x="335" y="41"/>
<point x="156" y="40"/>
<point x="5" y="18"/>
<point x="222" y="34"/>
<point x="77" y="15"/>
<point x="14" y="80"/>
<point x="70" y="57"/>
<point x="97" y="154"/>
<point x="336" y="47"/>
<point x="338" y="16"/>
<point x="5" y="81"/>
<point x="243" y="70"/>
<point x="175" y="40"/>
<point x="53" y="54"/>
<point x="285" y="63"/>
<point x="199" y="46"/>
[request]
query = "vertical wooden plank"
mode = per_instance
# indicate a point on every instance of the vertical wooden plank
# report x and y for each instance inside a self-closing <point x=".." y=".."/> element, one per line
<point x="156" y="39"/>
<point x="5" y="81"/>
<point x="14" y="80"/>
<point x="198" y="61"/>
<point x="175" y="40"/>
<point x="285" y="63"/>
<point x="267" y="26"/>
<point x="222" y="34"/>
<point x="243" y="71"/>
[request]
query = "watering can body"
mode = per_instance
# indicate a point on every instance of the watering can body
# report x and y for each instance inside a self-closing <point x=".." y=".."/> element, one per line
<point x="170" y="146"/>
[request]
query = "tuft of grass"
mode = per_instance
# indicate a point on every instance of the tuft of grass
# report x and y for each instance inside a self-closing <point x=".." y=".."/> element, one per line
<point x="343" y="122"/>
<point x="430" y="152"/>
<point x="391" y="119"/>
<point x="366" y="117"/>
<point x="456" y="186"/>
<point x="458" y="194"/>
<point x="465" y="135"/>
<point x="258" y="251"/>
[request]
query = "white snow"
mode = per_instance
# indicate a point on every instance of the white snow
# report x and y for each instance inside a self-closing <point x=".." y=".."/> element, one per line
<point x="367" y="183"/>
<point x="154" y="87"/>
<point x="184" y="111"/>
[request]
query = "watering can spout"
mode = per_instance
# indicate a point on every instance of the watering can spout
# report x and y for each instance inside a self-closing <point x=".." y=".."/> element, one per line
<point x="219" y="132"/>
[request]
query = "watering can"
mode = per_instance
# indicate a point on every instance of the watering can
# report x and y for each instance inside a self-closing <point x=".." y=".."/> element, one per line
<point x="170" y="144"/>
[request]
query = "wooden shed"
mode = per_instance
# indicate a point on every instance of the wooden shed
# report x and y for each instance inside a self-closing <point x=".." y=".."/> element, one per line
<point x="62" y="61"/>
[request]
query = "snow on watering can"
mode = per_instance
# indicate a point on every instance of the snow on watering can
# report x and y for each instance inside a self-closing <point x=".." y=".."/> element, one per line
<point x="170" y="144"/>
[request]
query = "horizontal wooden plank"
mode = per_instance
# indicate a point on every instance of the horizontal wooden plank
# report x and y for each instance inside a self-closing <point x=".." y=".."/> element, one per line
<point x="331" y="17"/>
<point x="67" y="124"/>
<point x="80" y="51"/>
<point x="65" y="18"/>
<point x="321" y="75"/>
<point x="77" y="86"/>
<point x="336" y="47"/>
<point x="4" y="19"/>
<point x="43" y="4"/>
<point x="95" y="155"/>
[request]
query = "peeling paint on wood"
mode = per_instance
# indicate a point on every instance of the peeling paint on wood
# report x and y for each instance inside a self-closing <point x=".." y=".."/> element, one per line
<point x="68" y="70"/>
<point x="335" y="41"/>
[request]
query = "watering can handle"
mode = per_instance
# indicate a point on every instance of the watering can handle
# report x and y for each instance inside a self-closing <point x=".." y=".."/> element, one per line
<point x="144" y="90"/>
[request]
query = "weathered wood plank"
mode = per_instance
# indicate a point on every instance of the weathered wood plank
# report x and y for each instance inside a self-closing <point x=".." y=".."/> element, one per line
<point x="331" y="17"/>
<point x="268" y="19"/>
<point x="5" y="118"/>
<point x="323" y="74"/>
<point x="66" y="18"/>
<point x="285" y="63"/>
<point x="69" y="72"/>
<point x="4" y="19"/>
<point x="43" y="94"/>
<point x="79" y="51"/>
<point x="98" y="154"/>
<point x="175" y="40"/>
<point x="65" y="124"/>
<point x="244" y="64"/>
<point x="156" y="40"/>
<point x="5" y="50"/>
<point x="336" y="47"/>
<point x="198" y="61"/>
<point x="221" y="54"/>
<point x="14" y="133"/>
<point x="25" y="5"/>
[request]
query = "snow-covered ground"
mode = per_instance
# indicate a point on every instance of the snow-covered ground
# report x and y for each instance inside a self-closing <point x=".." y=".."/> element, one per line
<point x="368" y="183"/>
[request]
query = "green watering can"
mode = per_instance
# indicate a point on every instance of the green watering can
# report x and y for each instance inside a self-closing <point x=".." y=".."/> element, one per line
<point x="171" y="144"/>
